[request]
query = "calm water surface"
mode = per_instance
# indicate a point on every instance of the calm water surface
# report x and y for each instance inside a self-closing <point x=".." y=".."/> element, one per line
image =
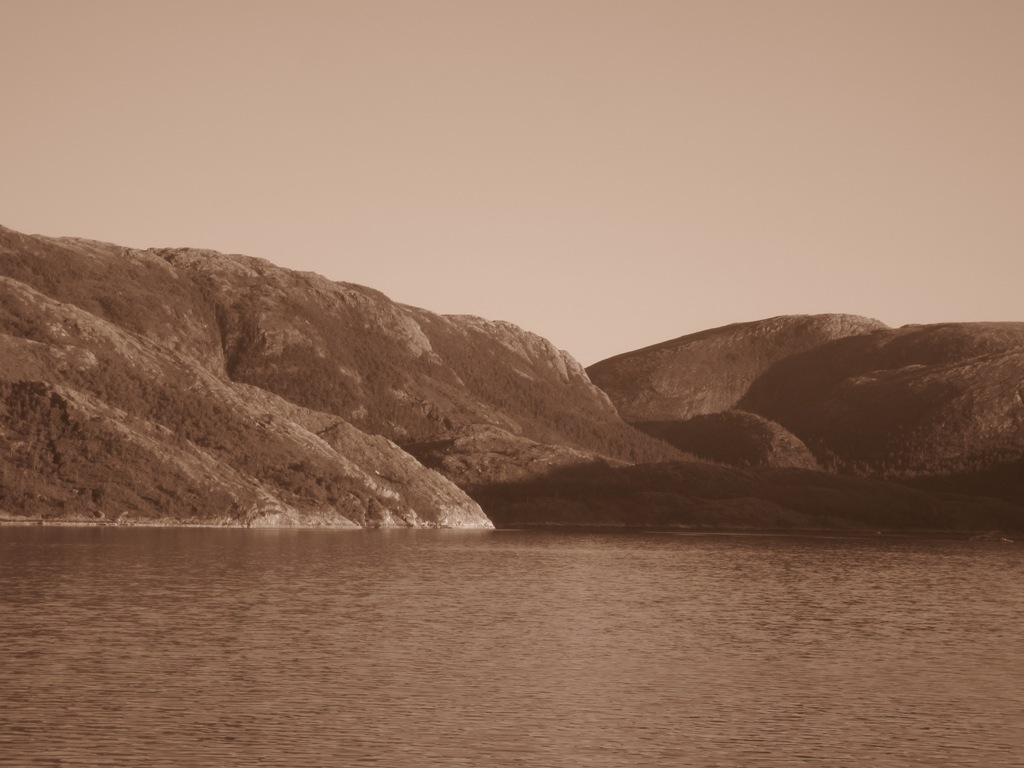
<point x="173" y="647"/>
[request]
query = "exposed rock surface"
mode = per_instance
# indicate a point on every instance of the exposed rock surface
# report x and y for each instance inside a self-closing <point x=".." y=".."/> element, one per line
<point x="206" y="345"/>
<point x="398" y="371"/>
<point x="103" y="422"/>
<point x="479" y="457"/>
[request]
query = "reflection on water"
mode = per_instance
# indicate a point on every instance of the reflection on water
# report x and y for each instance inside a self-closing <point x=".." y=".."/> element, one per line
<point x="422" y="648"/>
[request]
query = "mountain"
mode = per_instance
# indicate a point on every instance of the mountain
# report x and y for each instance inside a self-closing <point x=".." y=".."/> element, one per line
<point x="291" y="389"/>
<point x="734" y="437"/>
<point x="711" y="371"/>
<point x="171" y="386"/>
<point x="102" y="424"/>
<point x="397" y="371"/>
<point x="936" y="405"/>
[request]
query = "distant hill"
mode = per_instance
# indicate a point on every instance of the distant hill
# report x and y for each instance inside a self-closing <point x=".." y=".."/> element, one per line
<point x="937" y="405"/>
<point x="734" y="437"/>
<point x="934" y="400"/>
<point x="711" y="371"/>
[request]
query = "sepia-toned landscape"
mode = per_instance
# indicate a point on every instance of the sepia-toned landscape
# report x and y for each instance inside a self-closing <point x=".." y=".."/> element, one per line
<point x="191" y="387"/>
<point x="519" y="383"/>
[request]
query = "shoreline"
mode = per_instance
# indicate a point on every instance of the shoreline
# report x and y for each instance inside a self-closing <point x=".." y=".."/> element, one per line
<point x="996" y="536"/>
<point x="45" y="523"/>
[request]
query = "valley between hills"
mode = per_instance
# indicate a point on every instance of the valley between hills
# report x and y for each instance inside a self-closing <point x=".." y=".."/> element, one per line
<point x="189" y="387"/>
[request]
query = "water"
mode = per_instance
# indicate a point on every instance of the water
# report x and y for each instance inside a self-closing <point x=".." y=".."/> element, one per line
<point x="173" y="647"/>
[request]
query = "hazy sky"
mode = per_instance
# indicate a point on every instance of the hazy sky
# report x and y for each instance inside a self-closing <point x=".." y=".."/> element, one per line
<point x="606" y="174"/>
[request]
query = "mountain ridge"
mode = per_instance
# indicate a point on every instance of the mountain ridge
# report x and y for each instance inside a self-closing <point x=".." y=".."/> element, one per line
<point x="921" y="403"/>
<point x="185" y="343"/>
<point x="664" y="381"/>
<point x="186" y="386"/>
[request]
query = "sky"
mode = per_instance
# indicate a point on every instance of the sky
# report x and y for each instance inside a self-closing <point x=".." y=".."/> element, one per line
<point x="606" y="174"/>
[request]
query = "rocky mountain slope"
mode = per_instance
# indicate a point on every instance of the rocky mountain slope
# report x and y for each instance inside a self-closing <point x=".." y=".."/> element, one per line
<point x="115" y="407"/>
<point x="711" y="371"/>
<point x="99" y="423"/>
<point x="338" y="348"/>
<point x="938" y="405"/>
<point x="188" y="386"/>
<point x="295" y="384"/>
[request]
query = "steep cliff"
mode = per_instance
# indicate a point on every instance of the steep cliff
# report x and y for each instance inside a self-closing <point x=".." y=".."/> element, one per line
<point x="188" y="386"/>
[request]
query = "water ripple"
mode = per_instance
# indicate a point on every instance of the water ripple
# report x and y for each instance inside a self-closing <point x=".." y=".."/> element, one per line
<point x="426" y="648"/>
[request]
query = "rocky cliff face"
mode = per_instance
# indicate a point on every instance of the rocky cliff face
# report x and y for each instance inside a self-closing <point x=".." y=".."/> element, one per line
<point x="300" y="386"/>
